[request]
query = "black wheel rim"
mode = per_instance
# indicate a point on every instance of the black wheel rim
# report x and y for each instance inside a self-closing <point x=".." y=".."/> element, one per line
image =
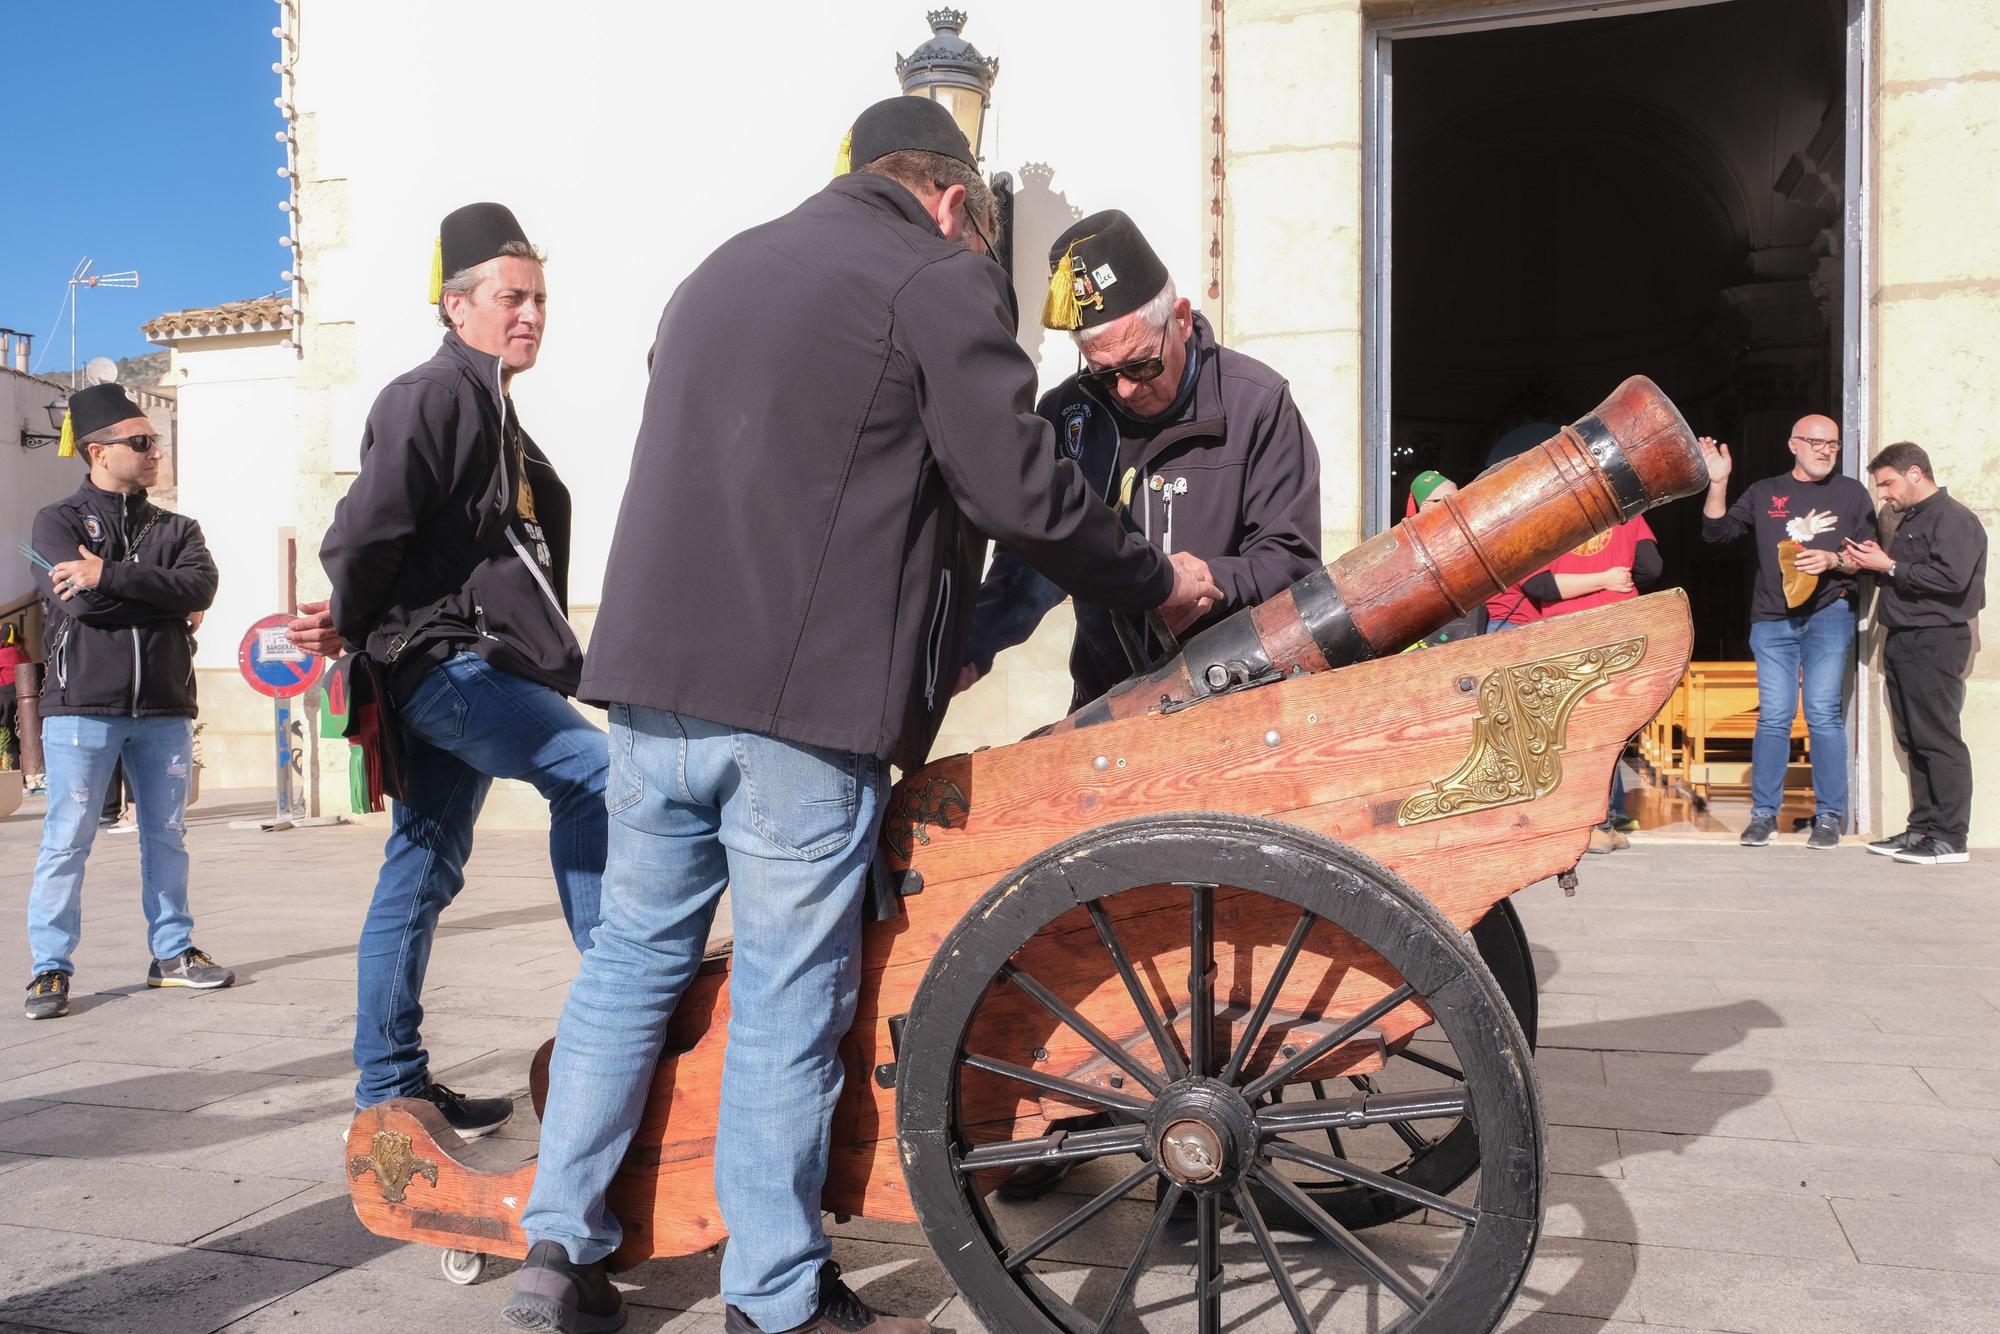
<point x="1203" y="1123"/>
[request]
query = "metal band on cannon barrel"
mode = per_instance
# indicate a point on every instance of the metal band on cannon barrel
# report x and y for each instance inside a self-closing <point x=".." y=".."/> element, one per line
<point x="1326" y="619"/>
<point x="1610" y="456"/>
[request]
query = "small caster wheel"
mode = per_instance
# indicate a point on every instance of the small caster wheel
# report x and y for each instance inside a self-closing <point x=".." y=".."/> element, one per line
<point x="463" y="1267"/>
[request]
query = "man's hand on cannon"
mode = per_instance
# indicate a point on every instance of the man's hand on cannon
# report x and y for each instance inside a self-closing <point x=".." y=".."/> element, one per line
<point x="70" y="575"/>
<point x="312" y="630"/>
<point x="1716" y="455"/>
<point x="1195" y="592"/>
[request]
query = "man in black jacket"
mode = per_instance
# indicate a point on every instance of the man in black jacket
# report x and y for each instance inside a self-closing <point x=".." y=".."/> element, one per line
<point x="1196" y="446"/>
<point x="838" y="418"/>
<point x="1801" y="617"/>
<point x="449" y="559"/>
<point x="1933" y="582"/>
<point x="123" y="576"/>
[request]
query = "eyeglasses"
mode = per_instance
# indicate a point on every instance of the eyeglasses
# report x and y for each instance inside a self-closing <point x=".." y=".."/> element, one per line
<point x="1138" y="372"/>
<point x="143" y="444"/>
<point x="1817" y="442"/>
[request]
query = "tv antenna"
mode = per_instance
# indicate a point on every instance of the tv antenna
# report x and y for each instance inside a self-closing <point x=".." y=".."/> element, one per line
<point x="83" y="277"/>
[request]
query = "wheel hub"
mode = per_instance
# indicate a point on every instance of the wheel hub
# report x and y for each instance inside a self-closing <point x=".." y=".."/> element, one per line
<point x="1203" y="1135"/>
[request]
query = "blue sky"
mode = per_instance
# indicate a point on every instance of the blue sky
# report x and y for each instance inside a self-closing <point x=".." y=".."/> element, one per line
<point x="147" y="143"/>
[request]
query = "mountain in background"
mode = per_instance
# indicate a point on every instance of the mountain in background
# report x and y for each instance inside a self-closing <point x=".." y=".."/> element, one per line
<point x="144" y="370"/>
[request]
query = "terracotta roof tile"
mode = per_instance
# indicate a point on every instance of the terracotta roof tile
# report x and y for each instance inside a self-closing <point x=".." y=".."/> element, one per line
<point x="265" y="312"/>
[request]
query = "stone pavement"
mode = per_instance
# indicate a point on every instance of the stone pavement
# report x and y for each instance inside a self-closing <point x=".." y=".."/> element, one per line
<point x="1772" y="1081"/>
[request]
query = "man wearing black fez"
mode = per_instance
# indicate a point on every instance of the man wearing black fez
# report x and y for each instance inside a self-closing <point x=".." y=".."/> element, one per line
<point x="1198" y="448"/>
<point x="449" y="560"/>
<point x="838" y="418"/>
<point x="119" y="579"/>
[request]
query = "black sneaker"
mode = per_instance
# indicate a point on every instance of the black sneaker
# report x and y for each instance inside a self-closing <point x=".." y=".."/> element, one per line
<point x="1825" y="833"/>
<point x="472" y="1118"/>
<point x="48" y="995"/>
<point x="189" y="968"/>
<point x="1895" y="843"/>
<point x="840" y="1312"/>
<point x="1931" y="850"/>
<point x="1759" y="833"/>
<point x="553" y="1292"/>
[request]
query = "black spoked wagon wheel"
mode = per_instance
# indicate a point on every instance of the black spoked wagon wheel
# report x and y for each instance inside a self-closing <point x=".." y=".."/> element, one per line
<point x="1193" y="975"/>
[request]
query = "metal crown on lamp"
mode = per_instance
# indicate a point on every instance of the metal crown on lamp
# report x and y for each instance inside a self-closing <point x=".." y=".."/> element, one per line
<point x="950" y="70"/>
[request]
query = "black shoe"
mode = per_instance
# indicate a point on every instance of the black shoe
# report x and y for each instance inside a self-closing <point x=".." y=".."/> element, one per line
<point x="553" y="1292"/>
<point x="470" y="1117"/>
<point x="1825" y="833"/>
<point x="1895" y="843"/>
<point x="48" y="995"/>
<point x="840" y="1312"/>
<point x="1759" y="833"/>
<point x="189" y="968"/>
<point x="1931" y="850"/>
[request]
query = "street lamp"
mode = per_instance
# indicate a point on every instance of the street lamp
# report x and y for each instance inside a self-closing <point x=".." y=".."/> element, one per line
<point x="56" y="410"/>
<point x="950" y="70"/>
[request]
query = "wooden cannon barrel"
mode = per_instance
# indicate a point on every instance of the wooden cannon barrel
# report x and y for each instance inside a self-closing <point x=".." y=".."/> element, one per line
<point x="1633" y="453"/>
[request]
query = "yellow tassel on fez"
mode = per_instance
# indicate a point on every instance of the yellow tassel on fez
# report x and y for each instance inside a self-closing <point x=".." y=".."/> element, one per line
<point x="842" y="160"/>
<point x="437" y="270"/>
<point x="1061" y="311"/>
<point x="67" y="447"/>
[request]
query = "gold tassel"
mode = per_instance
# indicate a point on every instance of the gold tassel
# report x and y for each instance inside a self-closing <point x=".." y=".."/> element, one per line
<point x="842" y="160"/>
<point x="67" y="448"/>
<point x="1061" y="311"/>
<point x="437" y="270"/>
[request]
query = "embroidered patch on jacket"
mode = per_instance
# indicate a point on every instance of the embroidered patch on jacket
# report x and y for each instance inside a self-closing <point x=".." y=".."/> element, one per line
<point x="1074" y="416"/>
<point x="92" y="528"/>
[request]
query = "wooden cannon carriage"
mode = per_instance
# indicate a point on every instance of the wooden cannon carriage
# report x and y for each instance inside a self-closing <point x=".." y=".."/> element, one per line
<point x="1248" y="912"/>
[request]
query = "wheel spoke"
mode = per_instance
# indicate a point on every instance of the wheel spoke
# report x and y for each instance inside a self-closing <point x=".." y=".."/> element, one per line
<point x="1161" y="1212"/>
<point x="1415" y="1142"/>
<point x="1254" y="1028"/>
<point x="1332" y="1132"/>
<point x="1058" y="1147"/>
<point x="1149" y="1014"/>
<point x="1090" y="1032"/>
<point x="1342" y="1238"/>
<point x="1272" y="1078"/>
<point x="1104" y="1200"/>
<point x="1431" y="1063"/>
<point x="1253" y="1217"/>
<point x="1208" y="1265"/>
<point x="1068" y="1088"/>
<point x="1288" y="1118"/>
<point x="1346" y="1171"/>
<point x="1201" y="979"/>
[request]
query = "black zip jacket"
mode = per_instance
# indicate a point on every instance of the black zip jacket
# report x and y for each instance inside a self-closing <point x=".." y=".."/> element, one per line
<point x="123" y="647"/>
<point x="837" y="420"/>
<point x="428" y="552"/>
<point x="1245" y="479"/>
<point x="1940" y="552"/>
<point x="1813" y="514"/>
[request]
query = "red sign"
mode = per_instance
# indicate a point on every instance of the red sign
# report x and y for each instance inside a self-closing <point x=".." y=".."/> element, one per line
<point x="272" y="664"/>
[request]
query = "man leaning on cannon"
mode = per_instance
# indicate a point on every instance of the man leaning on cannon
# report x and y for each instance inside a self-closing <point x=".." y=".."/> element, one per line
<point x="838" y="418"/>
<point x="449" y="560"/>
<point x="1197" y="447"/>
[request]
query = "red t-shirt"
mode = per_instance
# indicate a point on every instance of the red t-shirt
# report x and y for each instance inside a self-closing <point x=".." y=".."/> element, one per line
<point x="1608" y="550"/>
<point x="11" y="656"/>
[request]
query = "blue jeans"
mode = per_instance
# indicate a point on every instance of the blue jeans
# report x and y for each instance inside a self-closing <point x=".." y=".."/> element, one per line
<point x="79" y="753"/>
<point x="467" y="723"/>
<point x="790" y="829"/>
<point x="1809" y="653"/>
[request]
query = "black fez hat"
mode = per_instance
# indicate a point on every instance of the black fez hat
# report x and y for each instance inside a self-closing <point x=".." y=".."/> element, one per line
<point x="1100" y="269"/>
<point x="92" y="410"/>
<point x="896" y="124"/>
<point x="468" y="236"/>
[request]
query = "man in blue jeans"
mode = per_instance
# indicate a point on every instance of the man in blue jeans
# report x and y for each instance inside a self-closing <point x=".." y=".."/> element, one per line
<point x="449" y="559"/>
<point x="1801" y="615"/>
<point x="838" y="415"/>
<point x="119" y="579"/>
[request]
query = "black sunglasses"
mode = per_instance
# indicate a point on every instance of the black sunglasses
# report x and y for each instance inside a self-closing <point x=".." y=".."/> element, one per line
<point x="1138" y="372"/>
<point x="144" y="444"/>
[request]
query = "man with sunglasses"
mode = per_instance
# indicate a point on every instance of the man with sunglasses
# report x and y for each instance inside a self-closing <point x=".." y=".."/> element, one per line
<point x="1198" y="448"/>
<point x="1801" y="614"/>
<point x="119" y="578"/>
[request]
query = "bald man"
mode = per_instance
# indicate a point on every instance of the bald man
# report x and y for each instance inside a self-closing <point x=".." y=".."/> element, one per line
<point x="1801" y="615"/>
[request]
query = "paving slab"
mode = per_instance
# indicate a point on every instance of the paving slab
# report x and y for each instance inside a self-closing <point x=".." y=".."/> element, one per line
<point x="101" y="1285"/>
<point x="1707" y="1289"/>
<point x="1957" y="1234"/>
<point x="110" y="1084"/>
<point x="136" y="1201"/>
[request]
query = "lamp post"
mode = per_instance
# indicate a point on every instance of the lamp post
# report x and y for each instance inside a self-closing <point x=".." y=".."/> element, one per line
<point x="950" y="70"/>
<point x="55" y="410"/>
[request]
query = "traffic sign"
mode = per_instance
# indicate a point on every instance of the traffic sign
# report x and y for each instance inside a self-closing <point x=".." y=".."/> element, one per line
<point x="272" y="664"/>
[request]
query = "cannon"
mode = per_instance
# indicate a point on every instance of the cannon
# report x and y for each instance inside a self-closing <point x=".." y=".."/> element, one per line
<point x="1233" y="940"/>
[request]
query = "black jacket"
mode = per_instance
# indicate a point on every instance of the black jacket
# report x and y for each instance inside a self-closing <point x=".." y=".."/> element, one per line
<point x="429" y="545"/>
<point x="838" y="419"/>
<point x="1813" y="514"/>
<point x="1245" y="479"/>
<point x="123" y="647"/>
<point x="1940" y="552"/>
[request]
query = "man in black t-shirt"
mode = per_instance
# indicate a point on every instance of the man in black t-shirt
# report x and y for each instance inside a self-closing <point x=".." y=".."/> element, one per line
<point x="1801" y="616"/>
